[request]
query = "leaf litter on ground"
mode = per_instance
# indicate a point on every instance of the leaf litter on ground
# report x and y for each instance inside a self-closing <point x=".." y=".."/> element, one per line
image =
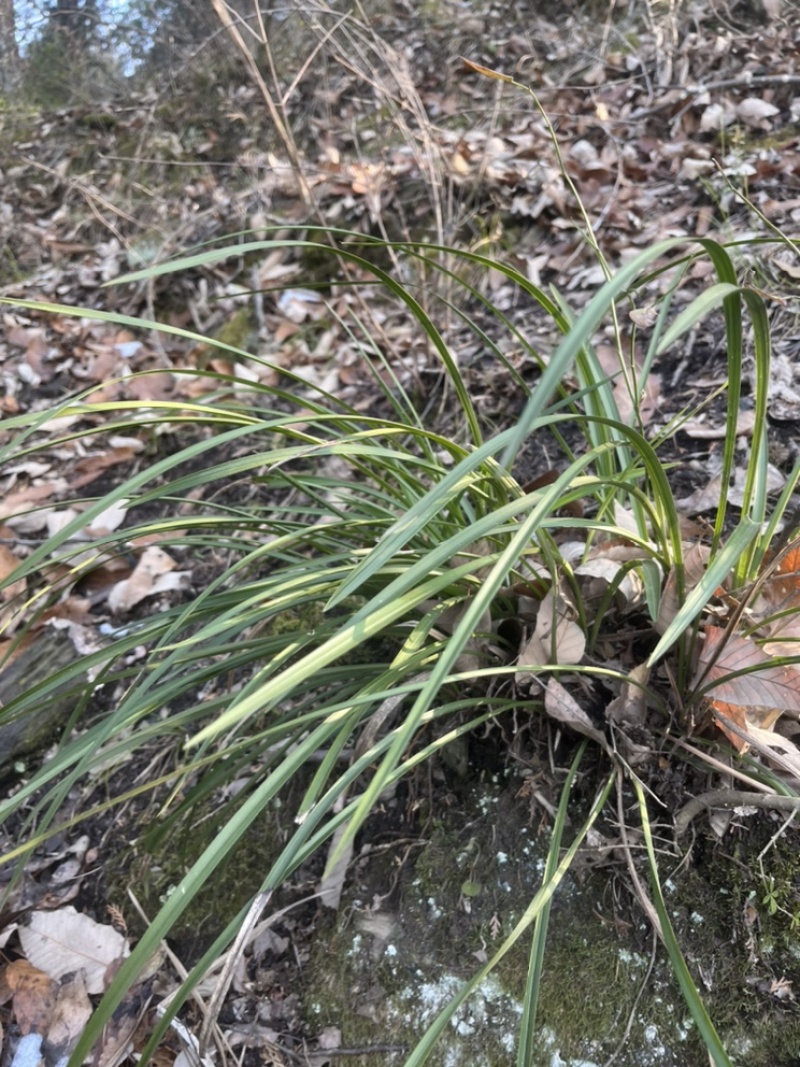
<point x="641" y="184"/>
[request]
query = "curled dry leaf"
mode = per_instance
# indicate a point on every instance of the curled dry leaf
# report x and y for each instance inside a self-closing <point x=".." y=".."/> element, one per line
<point x="154" y="573"/>
<point x="717" y="117"/>
<point x="787" y="754"/>
<point x="645" y="316"/>
<point x="596" y="575"/>
<point x="10" y="595"/>
<point x="119" y="1033"/>
<point x="332" y="883"/>
<point x="783" y="393"/>
<point x="108" y="520"/>
<point x="19" y="507"/>
<point x="708" y="431"/>
<point x="298" y="305"/>
<point x="556" y="639"/>
<point x="72" y="1011"/>
<point x="693" y="168"/>
<point x="477" y="649"/>
<point x="88" y="469"/>
<point x="788" y="266"/>
<point x="631" y="704"/>
<point x="627" y="375"/>
<point x="481" y="549"/>
<point x="706" y="498"/>
<point x="330" y="1037"/>
<point x="564" y="708"/>
<point x="625" y="519"/>
<point x="646" y="403"/>
<point x="755" y="112"/>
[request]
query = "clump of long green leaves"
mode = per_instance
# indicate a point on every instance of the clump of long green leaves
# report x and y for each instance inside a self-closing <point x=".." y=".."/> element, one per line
<point x="419" y="523"/>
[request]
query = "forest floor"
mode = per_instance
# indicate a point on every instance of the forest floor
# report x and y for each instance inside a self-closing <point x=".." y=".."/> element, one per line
<point x="683" y="127"/>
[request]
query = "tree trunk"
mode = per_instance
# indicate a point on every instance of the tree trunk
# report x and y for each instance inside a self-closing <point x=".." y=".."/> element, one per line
<point x="10" y="64"/>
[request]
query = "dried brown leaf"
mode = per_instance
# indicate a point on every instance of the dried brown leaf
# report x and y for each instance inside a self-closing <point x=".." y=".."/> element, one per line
<point x="154" y="573"/>
<point x="756" y="113"/>
<point x="477" y="649"/>
<point x="556" y="639"/>
<point x="332" y="883"/>
<point x="64" y="941"/>
<point x="766" y="683"/>
<point x="597" y="574"/>
<point x="748" y="702"/>
<point x="34" y="996"/>
<point x="564" y="708"/>
<point x="631" y="704"/>
<point x="72" y="1012"/>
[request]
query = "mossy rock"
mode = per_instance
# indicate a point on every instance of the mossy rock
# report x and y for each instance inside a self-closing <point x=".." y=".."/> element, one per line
<point x="382" y="976"/>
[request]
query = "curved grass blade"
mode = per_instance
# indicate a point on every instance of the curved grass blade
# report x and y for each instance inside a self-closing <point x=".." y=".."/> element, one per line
<point x="679" y="969"/>
<point x="533" y="980"/>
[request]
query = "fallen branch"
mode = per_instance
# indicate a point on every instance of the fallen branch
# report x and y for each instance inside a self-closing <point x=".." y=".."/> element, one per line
<point x="758" y="81"/>
<point x="732" y="798"/>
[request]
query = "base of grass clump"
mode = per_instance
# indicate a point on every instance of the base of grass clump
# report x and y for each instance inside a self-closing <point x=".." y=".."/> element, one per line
<point x="444" y="870"/>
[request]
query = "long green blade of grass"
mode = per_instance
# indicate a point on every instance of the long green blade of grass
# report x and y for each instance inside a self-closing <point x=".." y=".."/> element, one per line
<point x="533" y="981"/>
<point x="679" y="969"/>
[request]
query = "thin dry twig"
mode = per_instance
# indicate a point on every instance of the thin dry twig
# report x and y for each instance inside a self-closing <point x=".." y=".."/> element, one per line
<point x="91" y="196"/>
<point x="226" y="964"/>
<point x="223" y="1048"/>
<point x="295" y="161"/>
<point x="723" y="768"/>
<point x="647" y="905"/>
<point x="235" y="952"/>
